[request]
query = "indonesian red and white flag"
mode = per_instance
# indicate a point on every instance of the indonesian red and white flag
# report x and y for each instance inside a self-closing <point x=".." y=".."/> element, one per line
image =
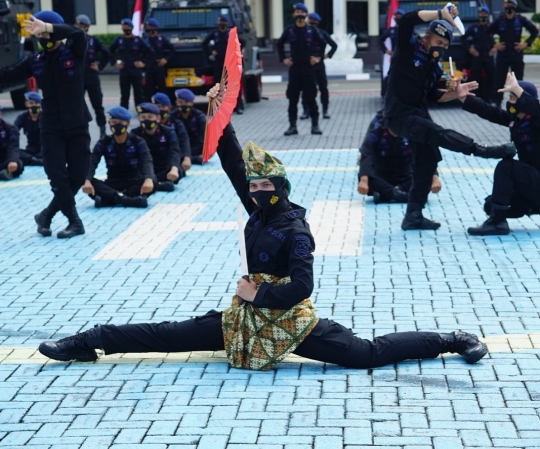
<point x="393" y="5"/>
<point x="137" y="18"/>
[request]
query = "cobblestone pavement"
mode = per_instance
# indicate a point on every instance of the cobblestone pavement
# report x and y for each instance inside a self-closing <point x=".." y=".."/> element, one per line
<point x="179" y="258"/>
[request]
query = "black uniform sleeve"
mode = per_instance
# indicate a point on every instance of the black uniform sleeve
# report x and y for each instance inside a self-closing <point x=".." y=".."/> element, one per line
<point x="487" y="112"/>
<point x="18" y="72"/>
<point x="385" y="35"/>
<point x="493" y="27"/>
<point x="147" y="165"/>
<point x="113" y="49"/>
<point x="467" y="38"/>
<point x="104" y="52"/>
<point x="330" y="42"/>
<point x="318" y="50"/>
<point x="206" y="43"/>
<point x="201" y="122"/>
<point x="12" y="150"/>
<point x="286" y="296"/>
<point x="367" y="150"/>
<point x="174" y="149"/>
<point x="528" y="105"/>
<point x="75" y="35"/>
<point x="183" y="140"/>
<point x="95" y="158"/>
<point x="531" y="28"/>
<point x="147" y="52"/>
<point x="230" y="155"/>
<point x="406" y="27"/>
<point x="19" y="121"/>
<point x="280" y="45"/>
<point x="168" y="48"/>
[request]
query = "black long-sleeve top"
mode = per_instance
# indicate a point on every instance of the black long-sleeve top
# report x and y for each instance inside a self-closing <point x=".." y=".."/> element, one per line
<point x="479" y="37"/>
<point x="328" y="40"/>
<point x="162" y="47"/>
<point x="509" y="32"/>
<point x="182" y="136"/>
<point x="31" y="129"/>
<point x="413" y="75"/>
<point x="304" y="42"/>
<point x="96" y="52"/>
<point x="129" y="50"/>
<point x="128" y="160"/>
<point x="525" y="132"/>
<point x="163" y="145"/>
<point x="195" y="126"/>
<point x="60" y="76"/>
<point x="280" y="245"/>
<point x="220" y="39"/>
<point x="389" y="33"/>
<point x="9" y="142"/>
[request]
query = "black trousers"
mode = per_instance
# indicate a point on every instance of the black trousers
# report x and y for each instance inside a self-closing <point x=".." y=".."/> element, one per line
<point x="503" y="64"/>
<point x="329" y="341"/>
<point x="384" y="185"/>
<point x="29" y="155"/>
<point x="110" y="188"/>
<point x="302" y="79"/>
<point x="155" y="81"/>
<point x="485" y="67"/>
<point x="322" y="84"/>
<point x="18" y="171"/>
<point x="126" y="81"/>
<point x="161" y="175"/>
<point x="96" y="99"/>
<point x="426" y="137"/>
<point x="516" y="182"/>
<point x="66" y="157"/>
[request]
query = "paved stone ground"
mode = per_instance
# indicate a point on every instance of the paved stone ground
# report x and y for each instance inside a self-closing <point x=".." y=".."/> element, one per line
<point x="394" y="281"/>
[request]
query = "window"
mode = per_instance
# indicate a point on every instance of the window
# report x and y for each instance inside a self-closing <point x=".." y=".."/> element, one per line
<point x="69" y="9"/>
<point x="121" y="9"/>
<point x="188" y="17"/>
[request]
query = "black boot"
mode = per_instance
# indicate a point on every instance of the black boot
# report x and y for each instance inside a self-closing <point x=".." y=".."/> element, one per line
<point x="75" y="226"/>
<point x="315" y="127"/>
<point x="166" y="186"/>
<point x="466" y="345"/>
<point x="197" y="160"/>
<point x="102" y="132"/>
<point x="377" y="198"/>
<point x="44" y="218"/>
<point x="305" y="115"/>
<point x="325" y="114"/>
<point x="496" y="224"/>
<point x="495" y="151"/>
<point x="5" y="175"/>
<point x="415" y="220"/>
<point x="35" y="160"/>
<point x="292" y="130"/>
<point x="134" y="201"/>
<point x="103" y="202"/>
<point x="399" y="196"/>
<point x="79" y="347"/>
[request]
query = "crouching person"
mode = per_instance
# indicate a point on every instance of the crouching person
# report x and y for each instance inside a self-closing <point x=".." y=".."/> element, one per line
<point x="130" y="174"/>
<point x="11" y="165"/>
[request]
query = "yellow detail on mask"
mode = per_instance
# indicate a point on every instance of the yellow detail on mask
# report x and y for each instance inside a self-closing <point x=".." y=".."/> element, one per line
<point x="124" y="129"/>
<point x="513" y="110"/>
<point x="274" y="199"/>
<point x="50" y="45"/>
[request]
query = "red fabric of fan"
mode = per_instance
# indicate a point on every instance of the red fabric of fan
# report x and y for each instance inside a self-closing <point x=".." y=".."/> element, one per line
<point x="221" y="108"/>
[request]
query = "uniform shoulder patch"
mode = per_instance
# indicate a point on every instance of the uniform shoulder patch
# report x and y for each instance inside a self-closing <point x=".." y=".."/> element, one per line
<point x="293" y="214"/>
<point x="303" y="246"/>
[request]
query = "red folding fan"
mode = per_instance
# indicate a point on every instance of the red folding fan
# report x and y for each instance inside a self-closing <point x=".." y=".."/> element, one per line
<point x="221" y="108"/>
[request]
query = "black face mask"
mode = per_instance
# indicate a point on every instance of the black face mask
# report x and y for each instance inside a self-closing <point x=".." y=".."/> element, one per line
<point x="185" y="109"/>
<point x="47" y="44"/>
<point x="127" y="32"/>
<point x="483" y="19"/>
<point x="299" y="17"/>
<point x="149" y="124"/>
<point x="34" y="109"/>
<point x="118" y="129"/>
<point x="266" y="199"/>
<point x="436" y="52"/>
<point x="509" y="10"/>
<point x="153" y="32"/>
<point x="222" y="27"/>
<point x="397" y="20"/>
<point x="164" y="115"/>
<point x="511" y="108"/>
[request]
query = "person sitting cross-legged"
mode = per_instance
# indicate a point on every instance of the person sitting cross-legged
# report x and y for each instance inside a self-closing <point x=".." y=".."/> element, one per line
<point x="28" y="123"/>
<point x="11" y="165"/>
<point x="193" y="120"/>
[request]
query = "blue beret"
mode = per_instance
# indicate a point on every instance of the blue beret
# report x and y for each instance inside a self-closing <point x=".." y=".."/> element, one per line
<point x="484" y="8"/>
<point x="530" y="88"/>
<point x="514" y="2"/>
<point x="185" y="94"/>
<point x="33" y="96"/>
<point x="84" y="19"/>
<point x="161" y="98"/>
<point x="153" y="22"/>
<point x="223" y="17"/>
<point x="399" y="11"/>
<point x="442" y="28"/>
<point x="151" y="108"/>
<point x="127" y="22"/>
<point x="300" y="6"/>
<point x="315" y="16"/>
<point x="120" y="113"/>
<point x="49" y="17"/>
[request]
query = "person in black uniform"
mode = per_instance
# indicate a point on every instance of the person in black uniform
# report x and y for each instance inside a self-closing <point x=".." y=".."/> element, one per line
<point x="413" y="77"/>
<point x="28" y="123"/>
<point x="516" y="183"/>
<point x="280" y="249"/>
<point x="389" y="33"/>
<point x="65" y="141"/>
<point x="386" y="165"/>
<point x="163" y="145"/>
<point x="509" y="27"/>
<point x="320" y="69"/>
<point x="305" y="42"/>
<point x="97" y="57"/>
<point x="130" y="174"/>
<point x="156" y="70"/>
<point x="134" y="54"/>
<point x="216" y="52"/>
<point x="194" y="121"/>
<point x="11" y="165"/>
<point x="163" y="102"/>
<point x="479" y="43"/>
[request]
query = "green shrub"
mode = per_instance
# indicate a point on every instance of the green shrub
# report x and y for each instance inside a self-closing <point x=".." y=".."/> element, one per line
<point x="107" y="39"/>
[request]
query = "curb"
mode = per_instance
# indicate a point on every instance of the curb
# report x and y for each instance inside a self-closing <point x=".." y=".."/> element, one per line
<point x="268" y="79"/>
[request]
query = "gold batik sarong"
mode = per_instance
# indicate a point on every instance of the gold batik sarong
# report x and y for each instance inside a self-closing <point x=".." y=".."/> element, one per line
<point x="258" y="338"/>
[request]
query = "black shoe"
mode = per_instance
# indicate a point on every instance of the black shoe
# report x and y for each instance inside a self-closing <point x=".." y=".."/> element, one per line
<point x="102" y="202"/>
<point x="496" y="224"/>
<point x="415" y="220"/>
<point x="377" y="198"/>
<point x="304" y="116"/>
<point x="44" y="219"/>
<point x="166" y="186"/>
<point x="75" y="226"/>
<point x="5" y="175"/>
<point x="400" y="196"/>
<point x="79" y="347"/>
<point x="292" y="130"/>
<point x="240" y="111"/>
<point x="134" y="201"/>
<point x="197" y="160"/>
<point x="102" y="132"/>
<point x="316" y="130"/>
<point x="325" y="114"/>
<point x="495" y="151"/>
<point x="466" y="345"/>
<point x="35" y="160"/>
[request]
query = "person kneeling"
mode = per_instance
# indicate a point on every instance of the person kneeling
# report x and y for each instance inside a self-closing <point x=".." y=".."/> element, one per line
<point x="163" y="145"/>
<point x="130" y="174"/>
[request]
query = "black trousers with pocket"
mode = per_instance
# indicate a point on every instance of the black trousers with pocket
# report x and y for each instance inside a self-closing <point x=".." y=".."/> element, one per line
<point x="328" y="342"/>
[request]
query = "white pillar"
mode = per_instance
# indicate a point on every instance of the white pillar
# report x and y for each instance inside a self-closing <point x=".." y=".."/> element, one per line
<point x="339" y="11"/>
<point x="277" y="19"/>
<point x="46" y="5"/>
<point x="373" y="17"/>
<point x="310" y="5"/>
<point x="257" y="13"/>
<point x="102" y="19"/>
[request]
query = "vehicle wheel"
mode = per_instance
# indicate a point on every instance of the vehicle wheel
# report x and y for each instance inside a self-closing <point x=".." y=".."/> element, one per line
<point x="254" y="89"/>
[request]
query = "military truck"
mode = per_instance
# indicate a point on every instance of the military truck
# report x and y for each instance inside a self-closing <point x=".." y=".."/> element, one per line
<point x="15" y="43"/>
<point x="186" y="23"/>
